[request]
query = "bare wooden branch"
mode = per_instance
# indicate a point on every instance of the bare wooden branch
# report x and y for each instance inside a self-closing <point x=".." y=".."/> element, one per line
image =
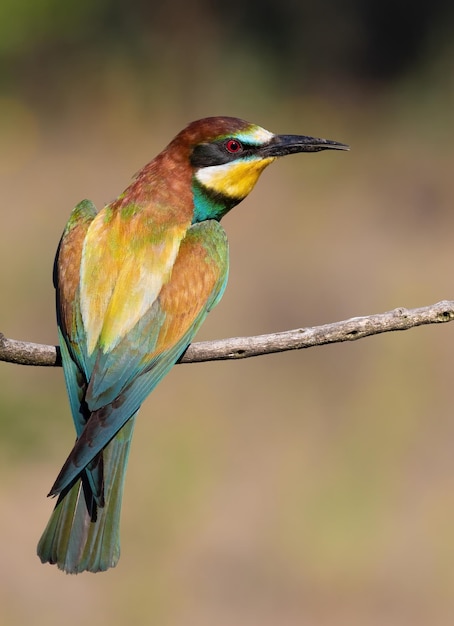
<point x="23" y="353"/>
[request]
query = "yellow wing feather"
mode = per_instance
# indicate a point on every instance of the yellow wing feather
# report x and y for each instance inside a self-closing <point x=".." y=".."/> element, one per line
<point x="122" y="273"/>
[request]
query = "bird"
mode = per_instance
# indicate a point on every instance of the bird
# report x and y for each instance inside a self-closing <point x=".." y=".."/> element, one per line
<point x="133" y="283"/>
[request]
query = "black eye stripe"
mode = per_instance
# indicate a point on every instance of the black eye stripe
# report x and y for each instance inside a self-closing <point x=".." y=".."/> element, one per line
<point x="216" y="153"/>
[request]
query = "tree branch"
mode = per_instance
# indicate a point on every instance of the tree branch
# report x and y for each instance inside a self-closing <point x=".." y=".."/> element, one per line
<point x="23" y="353"/>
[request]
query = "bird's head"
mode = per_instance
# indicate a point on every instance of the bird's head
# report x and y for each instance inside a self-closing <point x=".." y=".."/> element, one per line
<point x="227" y="156"/>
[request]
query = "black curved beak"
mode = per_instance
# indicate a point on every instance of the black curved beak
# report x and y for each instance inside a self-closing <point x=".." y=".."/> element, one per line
<point x="280" y="145"/>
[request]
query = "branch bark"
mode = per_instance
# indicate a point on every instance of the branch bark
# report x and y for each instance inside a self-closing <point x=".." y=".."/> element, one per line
<point x="24" y="353"/>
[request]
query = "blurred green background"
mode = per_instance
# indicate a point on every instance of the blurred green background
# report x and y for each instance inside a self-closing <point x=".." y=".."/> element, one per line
<point x="306" y="488"/>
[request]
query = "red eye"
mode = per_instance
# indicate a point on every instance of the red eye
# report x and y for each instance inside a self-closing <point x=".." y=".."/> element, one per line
<point x="233" y="146"/>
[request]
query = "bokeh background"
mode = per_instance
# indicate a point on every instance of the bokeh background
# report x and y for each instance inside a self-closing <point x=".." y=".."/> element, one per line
<point x="298" y="489"/>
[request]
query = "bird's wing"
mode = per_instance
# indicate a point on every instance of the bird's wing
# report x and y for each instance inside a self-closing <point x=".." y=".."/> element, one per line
<point x="127" y="368"/>
<point x="70" y="328"/>
<point x="71" y="333"/>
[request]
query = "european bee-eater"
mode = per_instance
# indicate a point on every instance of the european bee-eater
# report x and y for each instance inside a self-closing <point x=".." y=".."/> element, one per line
<point x="134" y="283"/>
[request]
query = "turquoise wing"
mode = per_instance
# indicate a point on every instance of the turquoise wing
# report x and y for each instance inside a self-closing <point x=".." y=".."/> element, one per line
<point x="83" y="531"/>
<point x="70" y="327"/>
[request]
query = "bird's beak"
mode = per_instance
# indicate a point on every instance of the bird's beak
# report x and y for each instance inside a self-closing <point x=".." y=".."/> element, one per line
<point x="280" y="145"/>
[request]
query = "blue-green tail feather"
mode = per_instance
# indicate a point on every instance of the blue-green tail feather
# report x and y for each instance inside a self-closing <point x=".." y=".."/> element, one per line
<point x="82" y="536"/>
